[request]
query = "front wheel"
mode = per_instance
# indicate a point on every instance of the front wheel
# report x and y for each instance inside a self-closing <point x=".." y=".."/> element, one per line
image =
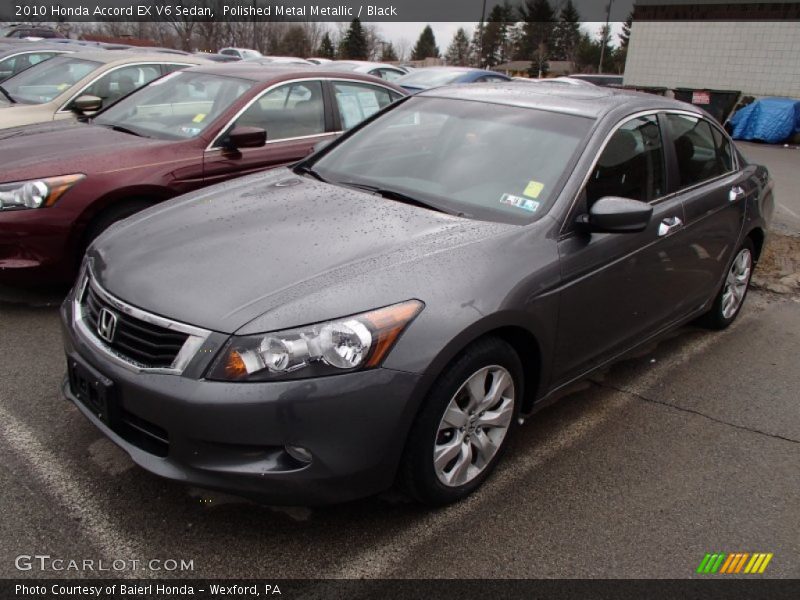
<point x="462" y="430"/>
<point x="730" y="298"/>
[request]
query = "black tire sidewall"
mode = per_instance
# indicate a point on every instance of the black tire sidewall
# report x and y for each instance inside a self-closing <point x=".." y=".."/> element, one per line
<point x="419" y="476"/>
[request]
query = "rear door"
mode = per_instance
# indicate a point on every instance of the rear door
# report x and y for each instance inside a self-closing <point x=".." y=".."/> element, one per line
<point x="295" y="116"/>
<point x="619" y="288"/>
<point x="714" y="194"/>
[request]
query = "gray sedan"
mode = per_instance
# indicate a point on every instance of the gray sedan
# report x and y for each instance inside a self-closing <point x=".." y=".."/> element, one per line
<point x="388" y="309"/>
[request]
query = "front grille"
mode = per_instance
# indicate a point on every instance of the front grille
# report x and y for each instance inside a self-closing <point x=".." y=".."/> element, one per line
<point x="142" y="343"/>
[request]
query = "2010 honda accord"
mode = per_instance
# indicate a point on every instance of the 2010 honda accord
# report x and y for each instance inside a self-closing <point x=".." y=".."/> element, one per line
<point x="385" y="310"/>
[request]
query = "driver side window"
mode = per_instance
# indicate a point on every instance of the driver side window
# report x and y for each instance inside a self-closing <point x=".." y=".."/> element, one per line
<point x="289" y="111"/>
<point x="631" y="165"/>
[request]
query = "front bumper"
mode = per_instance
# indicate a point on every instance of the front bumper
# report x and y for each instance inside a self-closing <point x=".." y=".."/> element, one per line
<point x="35" y="247"/>
<point x="233" y="436"/>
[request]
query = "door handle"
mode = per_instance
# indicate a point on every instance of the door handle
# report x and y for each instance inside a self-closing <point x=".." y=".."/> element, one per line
<point x="736" y="193"/>
<point x="669" y="225"/>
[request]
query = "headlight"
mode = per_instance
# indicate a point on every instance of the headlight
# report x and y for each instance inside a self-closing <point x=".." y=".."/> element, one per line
<point x="37" y="193"/>
<point x="358" y="342"/>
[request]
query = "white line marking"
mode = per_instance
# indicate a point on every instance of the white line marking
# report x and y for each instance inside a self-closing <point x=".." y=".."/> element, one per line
<point x="789" y="210"/>
<point x="98" y="527"/>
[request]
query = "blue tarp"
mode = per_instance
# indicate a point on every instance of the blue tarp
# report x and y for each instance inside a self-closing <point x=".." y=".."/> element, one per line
<point x="771" y="120"/>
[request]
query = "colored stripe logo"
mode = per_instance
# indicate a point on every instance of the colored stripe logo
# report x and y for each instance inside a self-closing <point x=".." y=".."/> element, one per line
<point x="735" y="562"/>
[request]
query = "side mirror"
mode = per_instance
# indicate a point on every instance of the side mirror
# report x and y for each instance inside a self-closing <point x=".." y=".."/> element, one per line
<point x="86" y="104"/>
<point x="612" y="214"/>
<point x="246" y="137"/>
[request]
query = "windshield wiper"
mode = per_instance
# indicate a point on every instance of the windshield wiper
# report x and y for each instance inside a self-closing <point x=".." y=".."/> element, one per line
<point x="393" y="195"/>
<point x="122" y="129"/>
<point x="310" y="171"/>
<point x="7" y="95"/>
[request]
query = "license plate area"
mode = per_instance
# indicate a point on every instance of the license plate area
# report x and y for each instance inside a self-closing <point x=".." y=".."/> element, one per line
<point x="93" y="390"/>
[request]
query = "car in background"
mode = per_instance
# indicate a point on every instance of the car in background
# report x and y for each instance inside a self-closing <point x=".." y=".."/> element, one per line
<point x="561" y="80"/>
<point x="222" y="58"/>
<point x="377" y="69"/>
<point x="21" y="31"/>
<point x="599" y="79"/>
<point x="62" y="184"/>
<point x="432" y="77"/>
<point x="240" y="52"/>
<point x="278" y="60"/>
<point x="81" y="82"/>
<point x="390" y="308"/>
<point x="17" y="58"/>
<point x="320" y="61"/>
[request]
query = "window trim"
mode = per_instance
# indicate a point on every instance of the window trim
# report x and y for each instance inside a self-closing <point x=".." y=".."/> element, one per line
<point x="337" y="113"/>
<point x="212" y="145"/>
<point x="566" y="230"/>
<point x="78" y="94"/>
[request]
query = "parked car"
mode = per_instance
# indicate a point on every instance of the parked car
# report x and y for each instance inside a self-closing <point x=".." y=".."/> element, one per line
<point x="21" y="31"/>
<point x="17" y="58"/>
<point x="62" y="184"/>
<point x="223" y="58"/>
<point x="320" y="61"/>
<point x="378" y="69"/>
<point x="387" y="309"/>
<point x="599" y="79"/>
<point x="241" y="52"/>
<point x="431" y="77"/>
<point x="81" y="82"/>
<point x="278" y="60"/>
<point x="561" y="80"/>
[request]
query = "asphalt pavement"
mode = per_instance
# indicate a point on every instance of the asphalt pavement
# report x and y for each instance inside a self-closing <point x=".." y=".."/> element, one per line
<point x="692" y="446"/>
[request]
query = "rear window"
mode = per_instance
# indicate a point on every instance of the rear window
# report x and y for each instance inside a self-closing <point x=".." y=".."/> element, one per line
<point x="702" y="152"/>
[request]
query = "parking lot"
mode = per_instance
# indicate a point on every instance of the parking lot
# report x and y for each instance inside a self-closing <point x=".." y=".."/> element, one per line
<point x="692" y="446"/>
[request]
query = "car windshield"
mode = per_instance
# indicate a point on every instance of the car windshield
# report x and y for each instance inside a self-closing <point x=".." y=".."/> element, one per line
<point x="178" y="106"/>
<point x="49" y="79"/>
<point x="428" y="78"/>
<point x="485" y="161"/>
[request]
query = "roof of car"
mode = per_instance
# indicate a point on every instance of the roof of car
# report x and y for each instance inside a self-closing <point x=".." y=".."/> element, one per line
<point x="579" y="100"/>
<point x="125" y="56"/>
<point x="34" y="47"/>
<point x="279" y="71"/>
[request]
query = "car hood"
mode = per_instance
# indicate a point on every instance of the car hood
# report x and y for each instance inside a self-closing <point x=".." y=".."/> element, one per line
<point x="224" y="256"/>
<point x="61" y="147"/>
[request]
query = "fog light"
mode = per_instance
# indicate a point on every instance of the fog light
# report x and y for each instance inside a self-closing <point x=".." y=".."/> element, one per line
<point x="299" y="453"/>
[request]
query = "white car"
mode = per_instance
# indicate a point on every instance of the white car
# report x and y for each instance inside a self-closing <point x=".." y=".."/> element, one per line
<point x="377" y="69"/>
<point x="319" y="61"/>
<point x="278" y="60"/>
<point x="241" y="52"/>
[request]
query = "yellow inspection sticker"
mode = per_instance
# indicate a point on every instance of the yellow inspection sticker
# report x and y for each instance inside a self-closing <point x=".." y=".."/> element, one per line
<point x="199" y="118"/>
<point x="533" y="189"/>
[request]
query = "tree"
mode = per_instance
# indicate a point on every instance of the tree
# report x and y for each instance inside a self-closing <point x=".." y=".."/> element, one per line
<point x="566" y="34"/>
<point x="426" y="45"/>
<point x="354" y="44"/>
<point x="494" y="47"/>
<point x="539" y="22"/>
<point x="387" y="53"/>
<point x="458" y="51"/>
<point x="326" y="49"/>
<point x="625" y="36"/>
<point x="606" y="50"/>
<point x="295" y="42"/>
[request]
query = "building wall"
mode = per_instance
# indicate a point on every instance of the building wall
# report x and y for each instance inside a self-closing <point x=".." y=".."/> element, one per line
<point x="759" y="58"/>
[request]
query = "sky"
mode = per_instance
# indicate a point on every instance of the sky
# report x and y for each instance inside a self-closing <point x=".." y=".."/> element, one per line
<point x="406" y="34"/>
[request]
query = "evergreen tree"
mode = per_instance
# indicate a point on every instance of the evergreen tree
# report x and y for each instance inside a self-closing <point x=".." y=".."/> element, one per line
<point x="495" y="46"/>
<point x="326" y="49"/>
<point x="354" y="45"/>
<point x="426" y="45"/>
<point x="566" y="34"/>
<point x="387" y="53"/>
<point x="458" y="51"/>
<point x="537" y="31"/>
<point x="625" y="36"/>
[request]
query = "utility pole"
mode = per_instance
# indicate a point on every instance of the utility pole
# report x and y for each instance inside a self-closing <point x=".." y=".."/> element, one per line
<point x="482" y="26"/>
<point x="605" y="36"/>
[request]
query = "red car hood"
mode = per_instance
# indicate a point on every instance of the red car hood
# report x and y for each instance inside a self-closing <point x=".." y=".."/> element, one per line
<point x="64" y="148"/>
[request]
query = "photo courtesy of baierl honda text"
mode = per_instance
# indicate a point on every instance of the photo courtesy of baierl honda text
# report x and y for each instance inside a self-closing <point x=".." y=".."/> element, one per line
<point x="446" y="299"/>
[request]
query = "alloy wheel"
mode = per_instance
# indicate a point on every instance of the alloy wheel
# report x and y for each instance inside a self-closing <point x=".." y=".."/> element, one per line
<point x="736" y="283"/>
<point x="474" y="425"/>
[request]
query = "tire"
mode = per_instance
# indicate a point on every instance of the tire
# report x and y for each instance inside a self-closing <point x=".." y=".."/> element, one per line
<point x="730" y="298"/>
<point x="466" y="459"/>
<point x="105" y="219"/>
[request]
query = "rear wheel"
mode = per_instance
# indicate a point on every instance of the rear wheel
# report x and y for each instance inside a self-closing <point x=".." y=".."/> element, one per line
<point x="461" y="432"/>
<point x="730" y="298"/>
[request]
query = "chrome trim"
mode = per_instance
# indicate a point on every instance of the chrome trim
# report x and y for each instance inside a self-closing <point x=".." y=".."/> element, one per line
<point x="564" y="231"/>
<point x="211" y="146"/>
<point x="193" y="343"/>
<point x="65" y="110"/>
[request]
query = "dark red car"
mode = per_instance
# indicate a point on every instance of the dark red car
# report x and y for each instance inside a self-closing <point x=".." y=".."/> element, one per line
<point x="62" y="184"/>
